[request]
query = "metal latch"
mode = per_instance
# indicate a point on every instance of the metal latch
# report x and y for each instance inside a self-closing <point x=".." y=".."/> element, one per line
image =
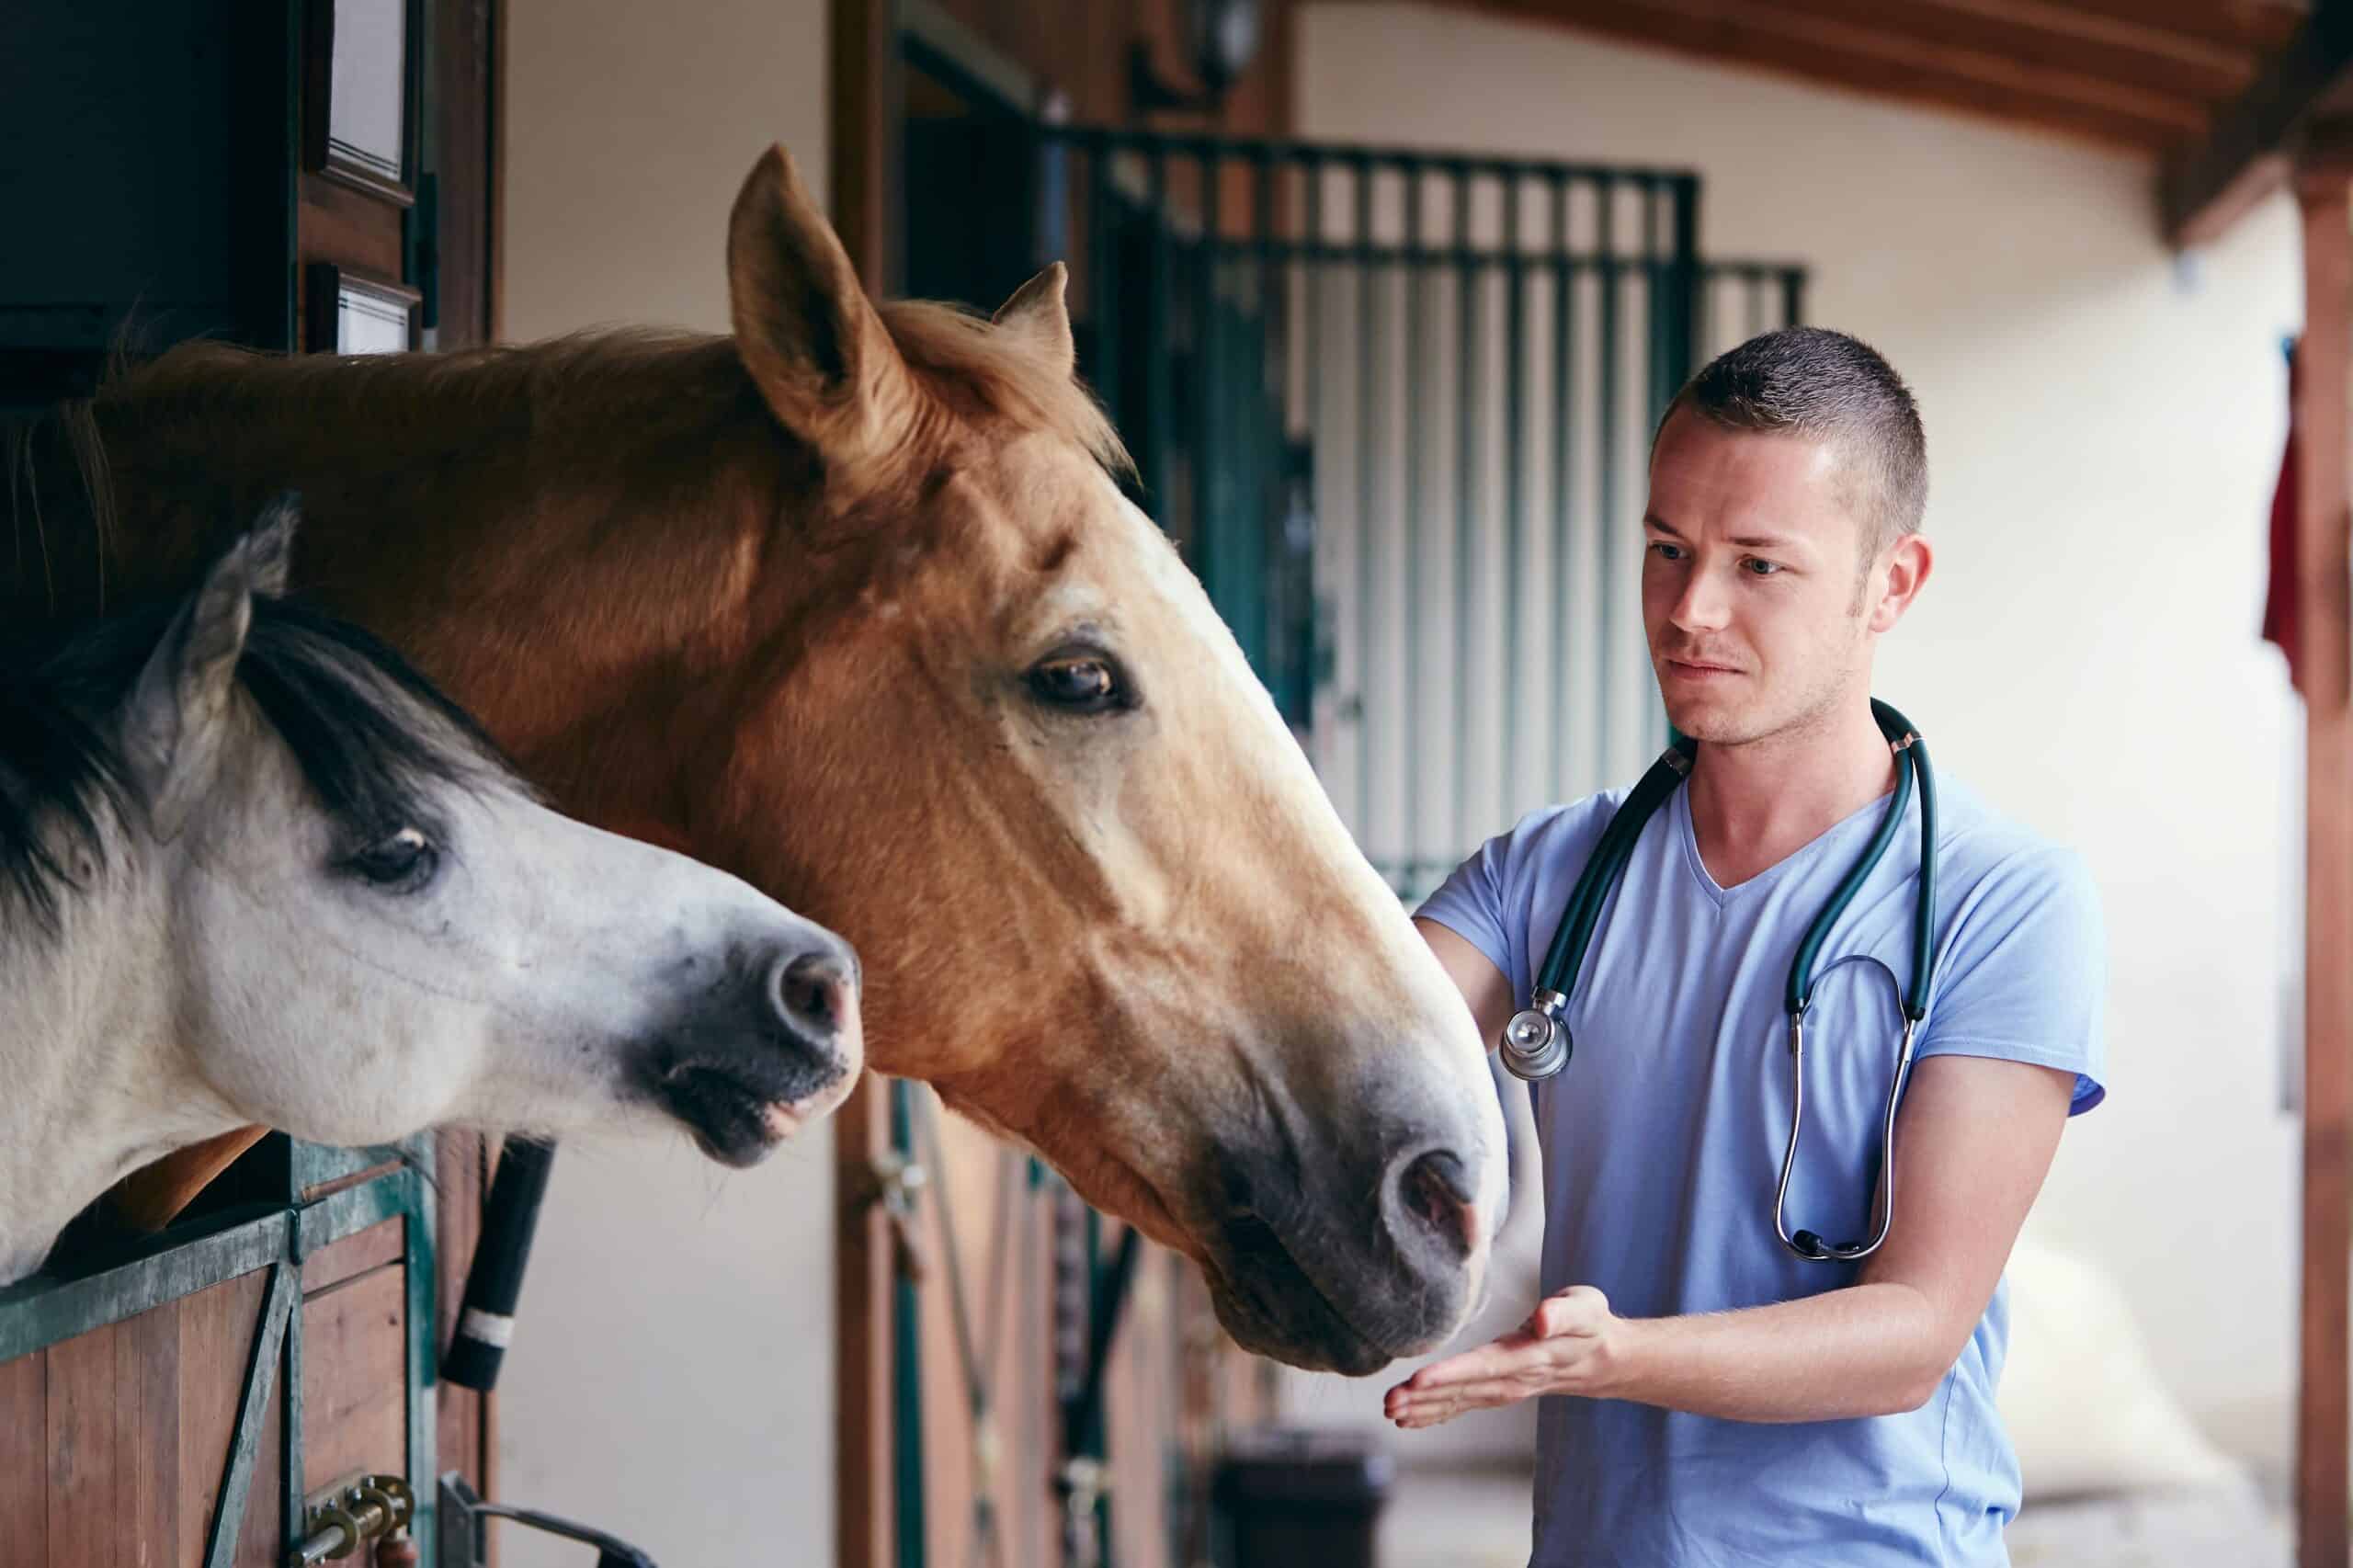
<point x="348" y="1516"/>
<point x="464" y="1515"/>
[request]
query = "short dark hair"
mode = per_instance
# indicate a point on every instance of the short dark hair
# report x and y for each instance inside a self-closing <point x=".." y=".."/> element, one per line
<point x="1809" y="382"/>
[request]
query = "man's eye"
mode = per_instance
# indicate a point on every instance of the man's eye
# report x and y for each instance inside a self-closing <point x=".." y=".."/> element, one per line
<point x="1761" y="568"/>
<point x="1667" y="552"/>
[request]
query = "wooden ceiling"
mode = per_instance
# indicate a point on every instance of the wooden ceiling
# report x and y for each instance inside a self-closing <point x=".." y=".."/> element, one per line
<point x="2141" y="73"/>
<point x="2211" y="89"/>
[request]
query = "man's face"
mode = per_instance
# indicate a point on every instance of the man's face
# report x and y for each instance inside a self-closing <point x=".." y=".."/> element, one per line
<point x="1750" y="577"/>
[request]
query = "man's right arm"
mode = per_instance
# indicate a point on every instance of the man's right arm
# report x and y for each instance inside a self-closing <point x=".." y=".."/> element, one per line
<point x="1474" y="974"/>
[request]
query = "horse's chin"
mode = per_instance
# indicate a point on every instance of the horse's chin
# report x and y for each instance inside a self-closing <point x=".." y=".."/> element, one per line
<point x="1272" y="1306"/>
<point x="732" y="1120"/>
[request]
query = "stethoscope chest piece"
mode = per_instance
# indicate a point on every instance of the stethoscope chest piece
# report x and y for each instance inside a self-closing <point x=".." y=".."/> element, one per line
<point x="1536" y="1043"/>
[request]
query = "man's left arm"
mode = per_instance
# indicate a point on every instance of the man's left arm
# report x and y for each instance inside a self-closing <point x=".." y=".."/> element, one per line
<point x="1974" y="1138"/>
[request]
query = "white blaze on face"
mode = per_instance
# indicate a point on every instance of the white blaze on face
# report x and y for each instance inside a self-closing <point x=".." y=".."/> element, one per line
<point x="1245" y="841"/>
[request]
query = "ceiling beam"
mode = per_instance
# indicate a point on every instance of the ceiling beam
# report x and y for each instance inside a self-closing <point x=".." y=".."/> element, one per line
<point x="2259" y="24"/>
<point x="2251" y="150"/>
<point x="1857" y="47"/>
<point x="2139" y="25"/>
<point x="2069" y="52"/>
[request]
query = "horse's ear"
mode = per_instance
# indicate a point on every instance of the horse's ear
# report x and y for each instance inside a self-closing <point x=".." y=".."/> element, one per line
<point x="1040" y="315"/>
<point x="269" y="548"/>
<point x="178" y="711"/>
<point x="813" y="343"/>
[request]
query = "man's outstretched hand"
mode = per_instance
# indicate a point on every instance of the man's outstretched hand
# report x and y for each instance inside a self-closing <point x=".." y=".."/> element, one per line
<point x="1567" y="1346"/>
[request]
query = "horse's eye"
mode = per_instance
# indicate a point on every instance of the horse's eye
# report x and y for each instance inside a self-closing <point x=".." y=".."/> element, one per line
<point x="1082" y="682"/>
<point x="405" y="861"/>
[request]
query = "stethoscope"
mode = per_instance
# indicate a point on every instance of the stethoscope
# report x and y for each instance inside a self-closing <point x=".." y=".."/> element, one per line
<point x="1536" y="1043"/>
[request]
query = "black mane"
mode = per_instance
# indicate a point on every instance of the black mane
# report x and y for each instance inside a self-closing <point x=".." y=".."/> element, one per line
<point x="374" y="739"/>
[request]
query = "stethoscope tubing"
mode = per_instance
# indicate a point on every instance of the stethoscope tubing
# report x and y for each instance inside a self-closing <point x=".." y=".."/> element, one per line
<point x="1537" y="1044"/>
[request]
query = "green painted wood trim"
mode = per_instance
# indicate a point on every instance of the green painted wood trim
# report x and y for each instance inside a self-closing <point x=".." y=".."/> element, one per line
<point x="237" y="1471"/>
<point x="38" y="1312"/>
<point x="424" y="1366"/>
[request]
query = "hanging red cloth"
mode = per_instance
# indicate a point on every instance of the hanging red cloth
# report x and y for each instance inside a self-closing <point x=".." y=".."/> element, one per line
<point x="2280" y="604"/>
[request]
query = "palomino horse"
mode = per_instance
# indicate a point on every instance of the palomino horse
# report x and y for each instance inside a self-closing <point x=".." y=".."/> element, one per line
<point x="847" y="604"/>
<point x="254" y="869"/>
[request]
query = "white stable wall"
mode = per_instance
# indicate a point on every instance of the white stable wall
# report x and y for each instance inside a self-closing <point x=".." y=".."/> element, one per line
<point x="672" y="1378"/>
<point x="2104" y="429"/>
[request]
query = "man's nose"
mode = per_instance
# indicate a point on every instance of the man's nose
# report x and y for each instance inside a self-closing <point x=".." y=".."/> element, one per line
<point x="1702" y="606"/>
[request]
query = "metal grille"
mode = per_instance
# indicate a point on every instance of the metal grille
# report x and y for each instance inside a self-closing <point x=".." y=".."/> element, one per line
<point x="1396" y="406"/>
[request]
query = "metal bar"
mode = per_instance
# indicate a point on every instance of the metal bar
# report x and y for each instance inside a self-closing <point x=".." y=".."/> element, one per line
<point x="1415" y="281"/>
<point x="1606" y="511"/>
<point x="1756" y="291"/>
<point x="1514" y="494"/>
<point x="424" y="1341"/>
<point x="1105" y="1304"/>
<point x="1210" y="520"/>
<point x="37" y="1313"/>
<point x="1368" y="445"/>
<point x="1659" y="314"/>
<point x="1467" y="463"/>
<point x="1793" y="296"/>
<point x="1681" y="278"/>
<point x="1411" y="160"/>
<point x="1563" y="482"/>
<point x="911" y="1532"/>
<point x="1312" y="394"/>
<point x="1103" y="274"/>
<point x="352" y="1210"/>
<point x="1160" y="377"/>
<point x="1683" y="288"/>
<point x="1481" y="258"/>
<point x="1266" y="423"/>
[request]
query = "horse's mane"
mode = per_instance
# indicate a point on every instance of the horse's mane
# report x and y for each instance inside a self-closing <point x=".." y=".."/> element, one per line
<point x="645" y="387"/>
<point x="373" y="737"/>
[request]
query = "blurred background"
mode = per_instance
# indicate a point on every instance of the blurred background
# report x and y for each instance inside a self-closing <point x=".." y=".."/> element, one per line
<point x="1385" y="298"/>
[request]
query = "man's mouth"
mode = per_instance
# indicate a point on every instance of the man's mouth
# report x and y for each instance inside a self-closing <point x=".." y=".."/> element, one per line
<point x="1697" y="669"/>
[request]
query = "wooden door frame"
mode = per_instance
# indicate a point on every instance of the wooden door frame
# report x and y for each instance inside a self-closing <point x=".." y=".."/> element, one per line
<point x="860" y="175"/>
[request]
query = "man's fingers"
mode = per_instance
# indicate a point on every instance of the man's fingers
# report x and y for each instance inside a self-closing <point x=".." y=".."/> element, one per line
<point x="1412" y="1412"/>
<point x="1503" y="1356"/>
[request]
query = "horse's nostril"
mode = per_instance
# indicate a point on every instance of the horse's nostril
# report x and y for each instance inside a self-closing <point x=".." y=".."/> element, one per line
<point x="816" y="994"/>
<point x="1437" y="1191"/>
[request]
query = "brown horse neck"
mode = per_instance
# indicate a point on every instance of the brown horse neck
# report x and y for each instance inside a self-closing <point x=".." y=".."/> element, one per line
<point x="574" y="539"/>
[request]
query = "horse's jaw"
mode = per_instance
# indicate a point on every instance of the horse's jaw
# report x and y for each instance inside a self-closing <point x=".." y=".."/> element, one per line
<point x="95" y="1088"/>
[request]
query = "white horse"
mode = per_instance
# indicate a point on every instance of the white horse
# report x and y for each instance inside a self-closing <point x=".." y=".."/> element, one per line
<point x="254" y="870"/>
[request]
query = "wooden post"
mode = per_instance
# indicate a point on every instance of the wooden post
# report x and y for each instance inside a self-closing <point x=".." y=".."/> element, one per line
<point x="860" y="179"/>
<point x="2322" y="440"/>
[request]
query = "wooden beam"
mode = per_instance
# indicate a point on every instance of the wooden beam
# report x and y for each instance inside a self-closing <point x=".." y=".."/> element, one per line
<point x="862" y="175"/>
<point x="2261" y="26"/>
<point x="2061" y="40"/>
<point x="2137" y="27"/>
<point x="2251" y="150"/>
<point x="2051" y="48"/>
<point x="1861" y="50"/>
<point x="2323" y="426"/>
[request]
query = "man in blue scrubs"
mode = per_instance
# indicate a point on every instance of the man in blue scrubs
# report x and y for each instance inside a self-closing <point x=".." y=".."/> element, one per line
<point x="1709" y="1399"/>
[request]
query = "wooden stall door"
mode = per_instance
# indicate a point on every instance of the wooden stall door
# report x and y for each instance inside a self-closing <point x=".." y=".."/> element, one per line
<point x="296" y="175"/>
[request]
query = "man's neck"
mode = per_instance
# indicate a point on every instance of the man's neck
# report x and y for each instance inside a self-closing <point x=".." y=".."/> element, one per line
<point x="1754" y="805"/>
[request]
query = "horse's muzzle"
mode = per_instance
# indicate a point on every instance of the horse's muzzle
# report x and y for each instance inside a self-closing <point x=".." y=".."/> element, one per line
<point x="773" y="1047"/>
